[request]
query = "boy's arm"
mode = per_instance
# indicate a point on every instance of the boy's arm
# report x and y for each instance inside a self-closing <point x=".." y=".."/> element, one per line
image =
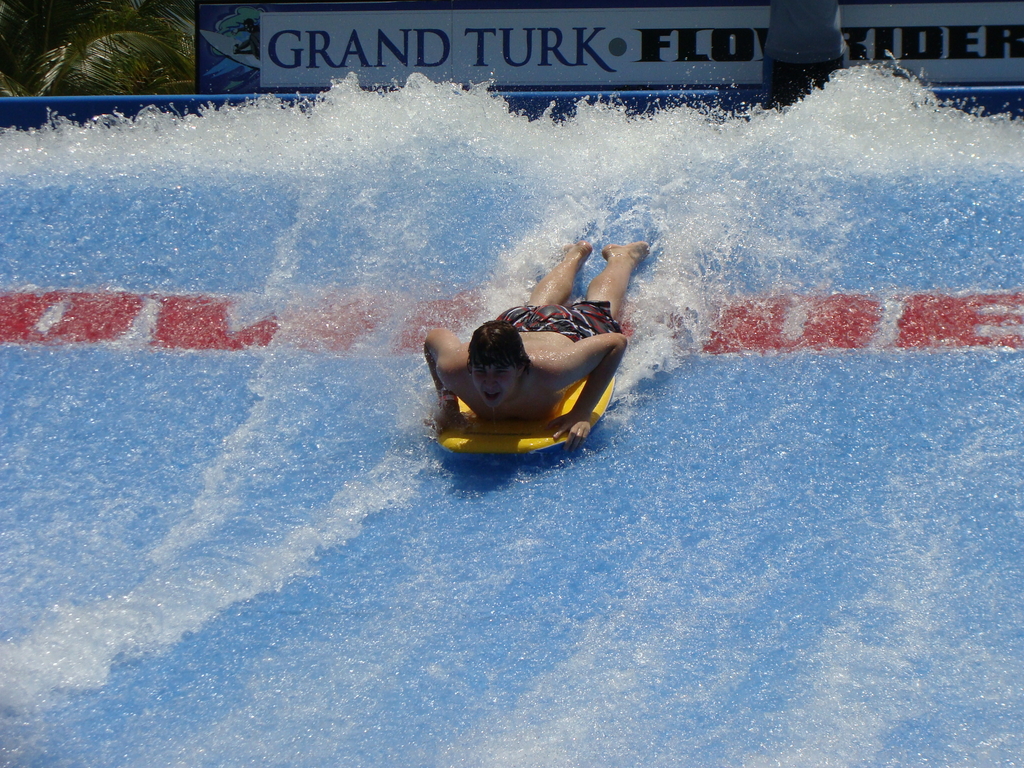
<point x="601" y="356"/>
<point x="438" y="342"/>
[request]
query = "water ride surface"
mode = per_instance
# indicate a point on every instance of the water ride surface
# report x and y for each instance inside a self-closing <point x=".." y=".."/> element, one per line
<point x="229" y="539"/>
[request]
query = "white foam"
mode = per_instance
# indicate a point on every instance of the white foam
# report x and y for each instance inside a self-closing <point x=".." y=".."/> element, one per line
<point x="902" y="648"/>
<point x="75" y="647"/>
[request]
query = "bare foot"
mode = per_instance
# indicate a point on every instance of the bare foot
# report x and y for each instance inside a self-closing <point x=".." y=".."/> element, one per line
<point x="580" y="250"/>
<point x="636" y="251"/>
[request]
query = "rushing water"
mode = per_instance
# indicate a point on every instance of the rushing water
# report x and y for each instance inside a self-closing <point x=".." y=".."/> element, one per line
<point x="259" y="557"/>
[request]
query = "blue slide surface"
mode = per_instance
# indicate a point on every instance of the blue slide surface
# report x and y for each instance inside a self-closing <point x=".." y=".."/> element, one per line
<point x="796" y="539"/>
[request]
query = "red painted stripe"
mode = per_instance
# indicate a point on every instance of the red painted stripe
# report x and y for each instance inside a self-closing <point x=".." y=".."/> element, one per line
<point x="789" y="323"/>
<point x="333" y="323"/>
<point x="839" y="321"/>
<point x="75" y="317"/>
<point x="962" y="321"/>
<point x="753" y="324"/>
<point x="761" y="324"/>
<point x="201" y="322"/>
<point x="20" y="313"/>
<point x="442" y="313"/>
<point x="91" y="317"/>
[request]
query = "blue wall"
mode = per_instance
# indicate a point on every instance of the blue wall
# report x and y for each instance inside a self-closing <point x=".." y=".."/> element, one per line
<point x="26" y="113"/>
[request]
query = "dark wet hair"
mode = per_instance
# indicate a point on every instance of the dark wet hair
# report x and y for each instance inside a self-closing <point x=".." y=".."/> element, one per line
<point x="497" y="343"/>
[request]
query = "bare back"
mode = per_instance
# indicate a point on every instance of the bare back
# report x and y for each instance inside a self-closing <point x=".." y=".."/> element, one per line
<point x="556" y="363"/>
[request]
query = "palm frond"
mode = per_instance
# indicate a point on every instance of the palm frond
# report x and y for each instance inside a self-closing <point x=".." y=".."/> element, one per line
<point x="79" y="47"/>
<point x="11" y="87"/>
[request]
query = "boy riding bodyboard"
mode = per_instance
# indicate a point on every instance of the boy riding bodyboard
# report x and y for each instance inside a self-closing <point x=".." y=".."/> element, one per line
<point x="519" y="365"/>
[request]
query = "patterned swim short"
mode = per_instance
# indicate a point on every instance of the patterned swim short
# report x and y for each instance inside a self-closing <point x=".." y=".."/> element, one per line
<point x="580" y="321"/>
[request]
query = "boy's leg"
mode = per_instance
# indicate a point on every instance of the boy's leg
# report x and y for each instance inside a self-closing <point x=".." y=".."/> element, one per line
<point x="613" y="281"/>
<point x="556" y="286"/>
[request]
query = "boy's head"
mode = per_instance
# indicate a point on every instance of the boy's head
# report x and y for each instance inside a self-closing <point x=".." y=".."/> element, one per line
<point x="497" y="343"/>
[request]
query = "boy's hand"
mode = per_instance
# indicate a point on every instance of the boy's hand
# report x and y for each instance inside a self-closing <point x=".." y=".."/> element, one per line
<point x="573" y="427"/>
<point x="449" y="416"/>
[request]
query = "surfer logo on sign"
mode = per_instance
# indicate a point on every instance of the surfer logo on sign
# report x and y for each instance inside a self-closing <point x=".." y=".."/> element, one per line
<point x="237" y="37"/>
<point x="519" y="367"/>
<point x="252" y="45"/>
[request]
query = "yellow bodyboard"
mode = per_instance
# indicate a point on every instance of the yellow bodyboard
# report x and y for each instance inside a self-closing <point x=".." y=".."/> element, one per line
<point x="513" y="435"/>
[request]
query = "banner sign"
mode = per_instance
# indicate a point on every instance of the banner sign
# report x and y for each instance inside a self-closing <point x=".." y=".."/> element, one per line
<point x="285" y="47"/>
